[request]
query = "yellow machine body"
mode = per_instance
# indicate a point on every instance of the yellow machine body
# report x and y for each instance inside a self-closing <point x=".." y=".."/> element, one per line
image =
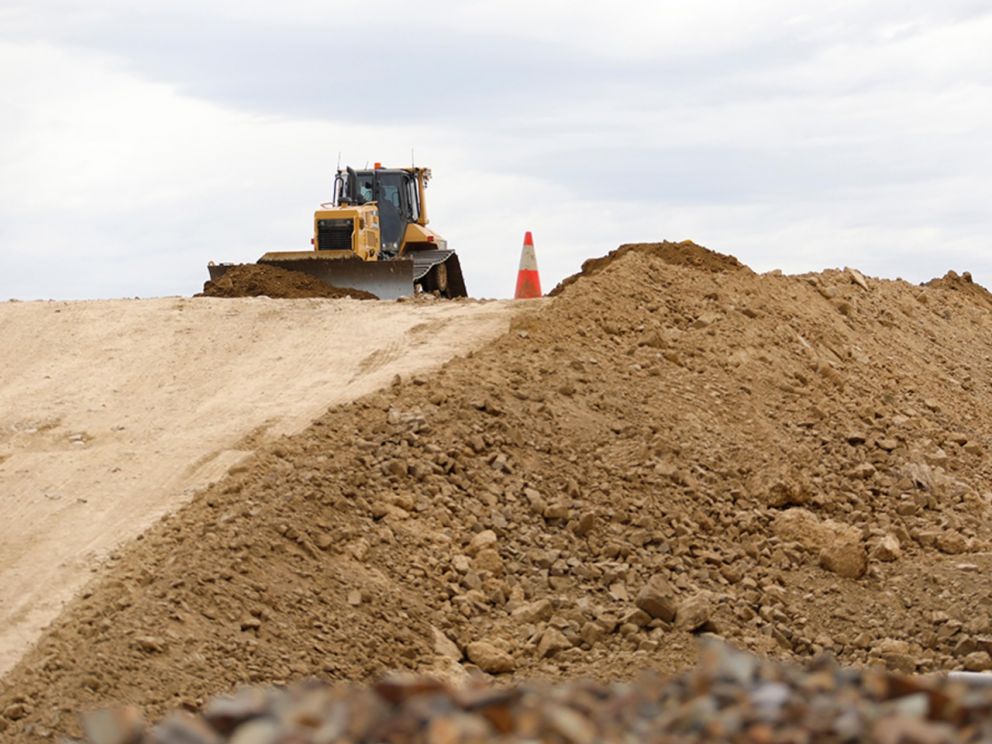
<point x="374" y="236"/>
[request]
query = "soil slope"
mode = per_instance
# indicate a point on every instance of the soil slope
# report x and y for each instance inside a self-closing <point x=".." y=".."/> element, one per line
<point x="674" y="445"/>
<point x="113" y="413"/>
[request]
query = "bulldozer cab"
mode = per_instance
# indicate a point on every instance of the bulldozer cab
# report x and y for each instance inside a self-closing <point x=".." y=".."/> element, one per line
<point x="397" y="194"/>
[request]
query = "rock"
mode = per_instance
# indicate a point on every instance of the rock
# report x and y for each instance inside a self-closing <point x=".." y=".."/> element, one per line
<point x="951" y="542"/>
<point x="618" y="590"/>
<point x="977" y="661"/>
<point x="355" y="597"/>
<point x="657" y="599"/>
<point x="839" y="546"/>
<point x="552" y="641"/>
<point x="592" y="633"/>
<point x="227" y="712"/>
<point x="695" y="611"/>
<point x="965" y="646"/>
<point x="122" y="725"/>
<point x="584" y="525"/>
<point x="535" y="612"/>
<point x="896" y="654"/>
<point x="785" y="492"/>
<point x="636" y="616"/>
<point x="887" y="444"/>
<point x="444" y="646"/>
<point x="570" y="726"/>
<point x="801" y="526"/>
<point x="905" y="729"/>
<point x="482" y="541"/>
<point x="862" y="471"/>
<point x="16" y="711"/>
<point x="857" y="278"/>
<point x="845" y="556"/>
<point x="489" y="658"/>
<point x="535" y="500"/>
<point x="488" y="560"/>
<point x="150" y="644"/>
<point x="888" y="549"/>
<point x="258" y="731"/>
<point x="182" y="728"/>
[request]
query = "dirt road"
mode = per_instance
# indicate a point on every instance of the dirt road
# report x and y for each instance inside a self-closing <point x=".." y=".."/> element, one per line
<point x="113" y="413"/>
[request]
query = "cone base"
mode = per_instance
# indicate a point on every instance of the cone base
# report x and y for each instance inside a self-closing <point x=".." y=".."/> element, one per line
<point x="528" y="286"/>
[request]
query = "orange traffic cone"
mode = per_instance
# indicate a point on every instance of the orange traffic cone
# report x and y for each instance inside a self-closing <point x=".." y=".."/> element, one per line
<point x="528" y="280"/>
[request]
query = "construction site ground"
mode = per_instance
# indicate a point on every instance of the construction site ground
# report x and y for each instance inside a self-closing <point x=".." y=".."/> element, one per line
<point x="114" y="413"/>
<point x="672" y="446"/>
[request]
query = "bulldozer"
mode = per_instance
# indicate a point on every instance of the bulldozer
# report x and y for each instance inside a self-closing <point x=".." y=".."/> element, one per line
<point x="373" y="236"/>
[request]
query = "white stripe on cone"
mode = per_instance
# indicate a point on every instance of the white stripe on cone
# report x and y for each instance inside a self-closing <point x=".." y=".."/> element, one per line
<point x="528" y="259"/>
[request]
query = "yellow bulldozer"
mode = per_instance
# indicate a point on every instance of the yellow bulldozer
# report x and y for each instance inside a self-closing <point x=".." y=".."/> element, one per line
<point x="373" y="236"/>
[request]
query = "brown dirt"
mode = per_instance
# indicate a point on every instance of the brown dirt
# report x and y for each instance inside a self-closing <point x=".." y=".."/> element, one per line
<point x="115" y="412"/>
<point x="799" y="464"/>
<point x="685" y="253"/>
<point x="258" y="280"/>
<point x="963" y="283"/>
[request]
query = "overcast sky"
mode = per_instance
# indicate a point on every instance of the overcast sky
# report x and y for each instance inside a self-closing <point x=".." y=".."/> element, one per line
<point x="138" y="140"/>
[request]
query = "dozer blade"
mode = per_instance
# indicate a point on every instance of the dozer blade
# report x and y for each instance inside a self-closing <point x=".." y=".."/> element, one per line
<point x="387" y="280"/>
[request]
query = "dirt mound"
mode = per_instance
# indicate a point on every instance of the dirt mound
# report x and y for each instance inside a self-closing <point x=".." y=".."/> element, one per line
<point x="798" y="464"/>
<point x="729" y="697"/>
<point x="257" y="280"/>
<point x="685" y="253"/>
<point x="962" y="283"/>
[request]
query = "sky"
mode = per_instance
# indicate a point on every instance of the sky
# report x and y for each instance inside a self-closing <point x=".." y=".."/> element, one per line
<point x="140" y="140"/>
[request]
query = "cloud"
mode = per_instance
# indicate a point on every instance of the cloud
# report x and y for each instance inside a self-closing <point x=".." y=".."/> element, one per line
<point x="138" y="140"/>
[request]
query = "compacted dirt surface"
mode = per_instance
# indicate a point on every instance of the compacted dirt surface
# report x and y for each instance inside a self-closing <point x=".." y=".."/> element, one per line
<point x="113" y="413"/>
<point x="674" y="446"/>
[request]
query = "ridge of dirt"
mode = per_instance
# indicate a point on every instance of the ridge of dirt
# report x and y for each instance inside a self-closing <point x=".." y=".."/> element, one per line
<point x="962" y="283"/>
<point x="798" y="464"/>
<point x="257" y="280"/>
<point x="684" y="253"/>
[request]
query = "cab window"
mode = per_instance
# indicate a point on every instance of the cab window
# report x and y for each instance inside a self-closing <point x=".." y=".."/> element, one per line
<point x="413" y="198"/>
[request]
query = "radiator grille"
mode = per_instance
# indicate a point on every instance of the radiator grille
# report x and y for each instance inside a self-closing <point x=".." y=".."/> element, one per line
<point x="334" y="235"/>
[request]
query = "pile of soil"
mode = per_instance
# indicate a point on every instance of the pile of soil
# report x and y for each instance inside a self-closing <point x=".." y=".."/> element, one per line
<point x="260" y="280"/>
<point x="798" y="464"/>
<point x="962" y="283"/>
<point x="685" y="253"/>
<point x="729" y="697"/>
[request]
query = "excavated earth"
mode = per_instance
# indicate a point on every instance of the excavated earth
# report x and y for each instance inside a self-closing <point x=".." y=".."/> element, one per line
<point x="673" y="446"/>
<point x="258" y="280"/>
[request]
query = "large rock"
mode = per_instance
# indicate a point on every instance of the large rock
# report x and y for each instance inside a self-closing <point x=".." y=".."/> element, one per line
<point x="695" y="611"/>
<point x="840" y="547"/>
<point x="888" y="549"/>
<point x="658" y="599"/>
<point x="489" y="658"/>
<point x="845" y="556"/>
<point x="488" y="560"/>
<point x="552" y="641"/>
<point x="482" y="541"/>
<point x="538" y="611"/>
<point x="444" y="646"/>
